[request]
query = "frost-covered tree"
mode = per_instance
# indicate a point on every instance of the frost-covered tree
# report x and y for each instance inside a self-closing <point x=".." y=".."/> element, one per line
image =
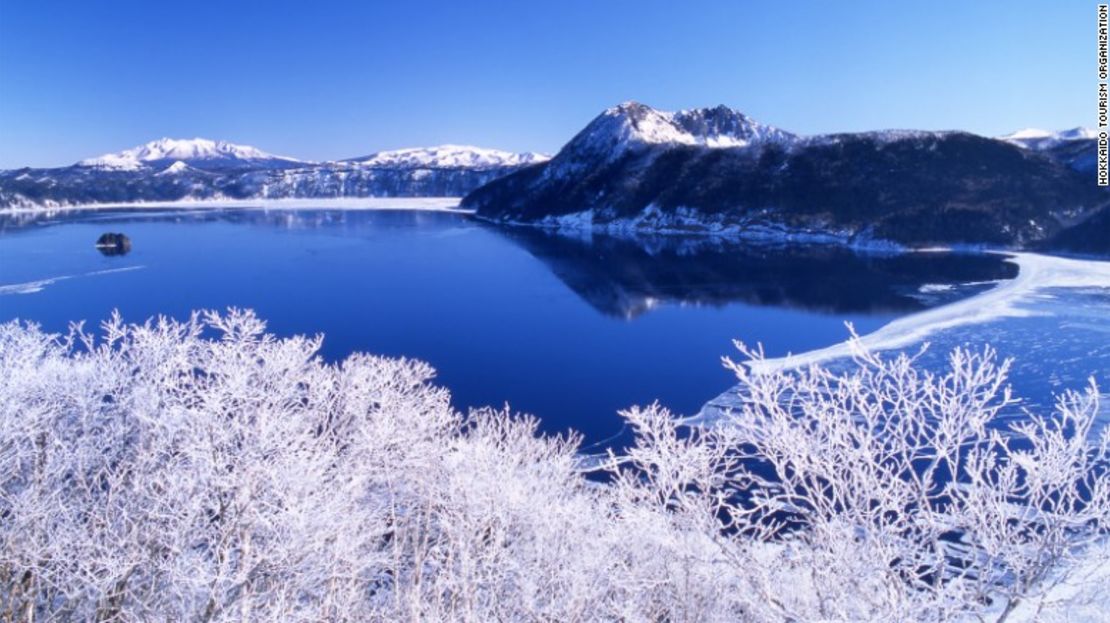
<point x="206" y="470"/>
<point x="886" y="492"/>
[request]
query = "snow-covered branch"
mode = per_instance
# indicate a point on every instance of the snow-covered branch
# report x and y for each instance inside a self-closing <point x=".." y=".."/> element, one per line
<point x="206" y="470"/>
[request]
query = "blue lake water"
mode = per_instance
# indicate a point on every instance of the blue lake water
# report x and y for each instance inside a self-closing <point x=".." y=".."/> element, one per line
<point x="568" y="329"/>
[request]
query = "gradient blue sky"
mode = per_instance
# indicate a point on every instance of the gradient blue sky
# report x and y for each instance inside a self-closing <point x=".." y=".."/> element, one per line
<point x="327" y="79"/>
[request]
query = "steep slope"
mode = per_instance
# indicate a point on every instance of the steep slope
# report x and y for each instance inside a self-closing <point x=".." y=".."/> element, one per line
<point x="1089" y="236"/>
<point x="635" y="168"/>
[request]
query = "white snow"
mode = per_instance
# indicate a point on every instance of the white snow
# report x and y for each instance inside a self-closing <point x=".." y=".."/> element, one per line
<point x="1078" y="133"/>
<point x="656" y="126"/>
<point x="435" y="204"/>
<point x="449" y="157"/>
<point x="1026" y="133"/>
<point x="632" y="124"/>
<point x="1075" y="593"/>
<point x="1035" y="272"/>
<point x="881" y="136"/>
<point x="200" y="149"/>
<point x="179" y="149"/>
<point x="1034" y="138"/>
<point x="929" y="288"/>
<point x="719" y="127"/>
<point x="30" y="287"/>
<point x="176" y="167"/>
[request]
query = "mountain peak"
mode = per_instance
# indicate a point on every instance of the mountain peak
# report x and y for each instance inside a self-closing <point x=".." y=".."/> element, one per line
<point x="195" y="151"/>
<point x="177" y="167"/>
<point x="1033" y="138"/>
<point x="1026" y="133"/>
<point x="630" y="107"/>
<point x="632" y="123"/>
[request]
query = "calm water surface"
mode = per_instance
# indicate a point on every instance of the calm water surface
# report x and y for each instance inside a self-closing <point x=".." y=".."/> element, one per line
<point x="568" y="329"/>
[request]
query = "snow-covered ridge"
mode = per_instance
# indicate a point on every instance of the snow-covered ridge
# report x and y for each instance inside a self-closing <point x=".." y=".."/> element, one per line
<point x="724" y="127"/>
<point x="632" y="123"/>
<point x="880" y="136"/>
<point x="195" y="149"/>
<point x="178" y="155"/>
<point x="1033" y="138"/>
<point x="449" y="157"/>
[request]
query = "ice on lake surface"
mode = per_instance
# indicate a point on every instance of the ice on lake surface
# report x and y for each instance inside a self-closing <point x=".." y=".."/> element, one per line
<point x="1053" y="322"/>
<point x="1062" y="342"/>
<point x="570" y="329"/>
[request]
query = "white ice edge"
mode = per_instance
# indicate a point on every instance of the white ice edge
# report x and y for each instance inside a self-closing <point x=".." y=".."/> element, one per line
<point x="30" y="287"/>
<point x="431" y="204"/>
<point x="1034" y="273"/>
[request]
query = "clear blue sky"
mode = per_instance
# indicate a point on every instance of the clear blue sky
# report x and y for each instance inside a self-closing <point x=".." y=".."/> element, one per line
<point x="339" y="79"/>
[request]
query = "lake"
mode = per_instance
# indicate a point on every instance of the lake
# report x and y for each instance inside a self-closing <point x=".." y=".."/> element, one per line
<point x="570" y="329"/>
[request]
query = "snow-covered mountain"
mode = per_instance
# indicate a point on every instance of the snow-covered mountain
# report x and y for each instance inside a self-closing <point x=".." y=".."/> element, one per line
<point x="448" y="157"/>
<point x="196" y="152"/>
<point x="173" y="169"/>
<point x="177" y="168"/>
<point x="717" y="171"/>
<point x="632" y="129"/>
<point x="1032" y="138"/>
<point x="632" y="125"/>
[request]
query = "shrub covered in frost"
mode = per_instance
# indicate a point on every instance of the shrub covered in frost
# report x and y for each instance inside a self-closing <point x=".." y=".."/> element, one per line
<point x="205" y="470"/>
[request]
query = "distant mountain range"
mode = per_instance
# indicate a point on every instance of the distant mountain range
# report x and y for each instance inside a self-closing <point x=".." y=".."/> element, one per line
<point x="199" y="153"/>
<point x="716" y="171"/>
<point x="177" y="169"/>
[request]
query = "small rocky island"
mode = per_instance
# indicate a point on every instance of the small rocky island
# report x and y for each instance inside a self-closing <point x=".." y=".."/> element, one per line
<point x="113" y="244"/>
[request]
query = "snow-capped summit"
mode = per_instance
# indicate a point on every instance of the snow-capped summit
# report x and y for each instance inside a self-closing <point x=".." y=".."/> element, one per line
<point x="175" y="168"/>
<point x="448" y="157"/>
<point x="1026" y="134"/>
<point x="633" y="124"/>
<point x="1033" y="138"/>
<point x="197" y="152"/>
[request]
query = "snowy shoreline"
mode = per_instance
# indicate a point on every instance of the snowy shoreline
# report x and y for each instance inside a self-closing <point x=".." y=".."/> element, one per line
<point x="1035" y="272"/>
<point x="433" y="204"/>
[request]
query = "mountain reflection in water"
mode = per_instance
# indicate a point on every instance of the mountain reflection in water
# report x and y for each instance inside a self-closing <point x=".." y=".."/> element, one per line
<point x="626" y="277"/>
